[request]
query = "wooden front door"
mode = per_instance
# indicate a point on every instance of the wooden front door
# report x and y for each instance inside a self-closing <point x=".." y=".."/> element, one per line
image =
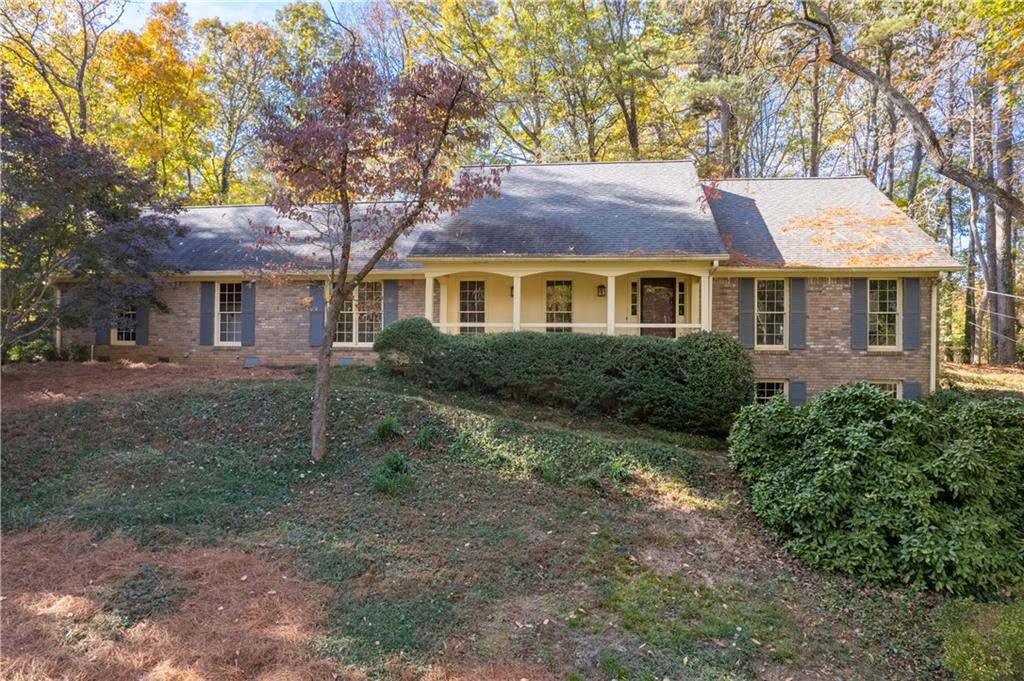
<point x="658" y="305"/>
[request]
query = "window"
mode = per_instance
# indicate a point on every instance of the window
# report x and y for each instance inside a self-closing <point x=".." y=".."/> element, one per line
<point x="883" y="313"/>
<point x="123" y="332"/>
<point x="229" y="313"/>
<point x="634" y="298"/>
<point x="681" y="297"/>
<point x="771" y="313"/>
<point x="360" y="325"/>
<point x="892" y="388"/>
<point x="471" y="306"/>
<point x="766" y="390"/>
<point x="559" y="306"/>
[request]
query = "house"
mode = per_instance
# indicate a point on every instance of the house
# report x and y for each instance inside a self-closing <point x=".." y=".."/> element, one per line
<point x="824" y="279"/>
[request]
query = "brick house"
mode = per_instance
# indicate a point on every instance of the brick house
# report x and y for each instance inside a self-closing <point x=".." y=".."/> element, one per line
<point x="824" y="279"/>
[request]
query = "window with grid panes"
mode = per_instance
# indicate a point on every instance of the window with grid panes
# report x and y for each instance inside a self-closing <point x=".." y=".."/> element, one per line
<point x="771" y="313"/>
<point x="361" y="324"/>
<point x="559" y="306"/>
<point x="471" y="306"/>
<point x="124" y="330"/>
<point x="681" y="298"/>
<point x="229" y="312"/>
<point x="766" y="390"/>
<point x="891" y="388"/>
<point x="883" y="312"/>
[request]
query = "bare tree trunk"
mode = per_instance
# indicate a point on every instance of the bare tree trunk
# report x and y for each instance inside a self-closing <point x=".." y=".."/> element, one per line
<point x="970" y="315"/>
<point x="948" y="323"/>
<point x="1005" y="322"/>
<point x="815" y="118"/>
<point x="322" y="382"/>
<point x="890" y="113"/>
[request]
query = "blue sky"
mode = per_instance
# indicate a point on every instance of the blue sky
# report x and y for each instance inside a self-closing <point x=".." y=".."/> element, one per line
<point x="229" y="10"/>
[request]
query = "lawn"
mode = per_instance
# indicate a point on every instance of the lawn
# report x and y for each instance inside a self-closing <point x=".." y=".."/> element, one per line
<point x="183" y="532"/>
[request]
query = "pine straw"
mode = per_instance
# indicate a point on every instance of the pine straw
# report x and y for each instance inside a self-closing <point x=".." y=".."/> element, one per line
<point x="54" y="624"/>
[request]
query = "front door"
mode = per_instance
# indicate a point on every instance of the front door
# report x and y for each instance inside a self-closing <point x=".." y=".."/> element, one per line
<point x="658" y="305"/>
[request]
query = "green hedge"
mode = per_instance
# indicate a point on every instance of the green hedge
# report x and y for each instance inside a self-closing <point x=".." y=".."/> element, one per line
<point x="929" y="494"/>
<point x="694" y="383"/>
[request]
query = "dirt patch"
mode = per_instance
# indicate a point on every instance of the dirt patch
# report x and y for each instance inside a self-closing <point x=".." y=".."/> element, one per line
<point x="26" y="386"/>
<point x="243" y="617"/>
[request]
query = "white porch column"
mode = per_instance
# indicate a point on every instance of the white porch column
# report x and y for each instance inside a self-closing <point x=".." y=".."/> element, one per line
<point x="443" y="316"/>
<point x="428" y="300"/>
<point x="610" y="295"/>
<point x="517" y="298"/>
<point x="705" y="302"/>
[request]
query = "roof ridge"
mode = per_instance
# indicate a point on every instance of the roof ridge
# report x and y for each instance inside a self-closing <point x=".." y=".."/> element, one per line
<point x="790" y="177"/>
<point x="578" y="163"/>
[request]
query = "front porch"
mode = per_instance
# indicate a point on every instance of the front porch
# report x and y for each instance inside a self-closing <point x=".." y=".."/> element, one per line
<point x="655" y="298"/>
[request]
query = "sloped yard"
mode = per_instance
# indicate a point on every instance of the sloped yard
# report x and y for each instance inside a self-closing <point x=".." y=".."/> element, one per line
<point x="183" y="532"/>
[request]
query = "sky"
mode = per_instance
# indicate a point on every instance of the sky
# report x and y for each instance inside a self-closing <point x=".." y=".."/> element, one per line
<point x="228" y="10"/>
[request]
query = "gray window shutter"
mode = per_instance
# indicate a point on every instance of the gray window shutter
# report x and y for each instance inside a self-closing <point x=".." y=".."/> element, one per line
<point x="798" y="313"/>
<point x="102" y="322"/>
<point x="142" y="325"/>
<point x="390" y="301"/>
<point x="911" y="391"/>
<point x="207" y="290"/>
<point x="249" y="314"/>
<point x="746" y="312"/>
<point x="911" y="314"/>
<point x="859" y="314"/>
<point x="316" y="314"/>
<point x="797" y="392"/>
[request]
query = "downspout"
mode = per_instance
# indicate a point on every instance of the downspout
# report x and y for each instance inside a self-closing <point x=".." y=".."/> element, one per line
<point x="934" y="367"/>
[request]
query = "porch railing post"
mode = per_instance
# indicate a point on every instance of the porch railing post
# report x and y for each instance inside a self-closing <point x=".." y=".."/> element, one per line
<point x="610" y="295"/>
<point x="516" y="302"/>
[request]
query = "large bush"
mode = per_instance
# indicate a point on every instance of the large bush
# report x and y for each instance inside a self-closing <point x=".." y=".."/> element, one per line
<point x="694" y="383"/>
<point x="928" y="494"/>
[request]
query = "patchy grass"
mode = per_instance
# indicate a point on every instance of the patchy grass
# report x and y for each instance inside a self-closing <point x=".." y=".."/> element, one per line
<point x="530" y="543"/>
<point x="984" y="380"/>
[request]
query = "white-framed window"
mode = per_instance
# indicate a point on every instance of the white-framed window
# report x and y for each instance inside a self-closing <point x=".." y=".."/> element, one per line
<point x="766" y="390"/>
<point x="681" y="297"/>
<point x="228" y="320"/>
<point x="558" y="301"/>
<point x="123" y="331"/>
<point x="634" y="298"/>
<point x="471" y="306"/>
<point x="893" y="388"/>
<point x="359" y="325"/>
<point x="770" y="313"/>
<point x="884" y="314"/>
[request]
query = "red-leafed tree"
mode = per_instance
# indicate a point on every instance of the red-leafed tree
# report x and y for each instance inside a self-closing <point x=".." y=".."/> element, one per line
<point x="361" y="160"/>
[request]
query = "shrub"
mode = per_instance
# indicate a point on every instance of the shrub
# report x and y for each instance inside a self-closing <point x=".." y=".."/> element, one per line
<point x="30" y="351"/>
<point x="393" y="474"/>
<point x="407" y="344"/>
<point x="388" y="429"/>
<point x="695" y="383"/>
<point x="984" y="641"/>
<point x="929" y="494"/>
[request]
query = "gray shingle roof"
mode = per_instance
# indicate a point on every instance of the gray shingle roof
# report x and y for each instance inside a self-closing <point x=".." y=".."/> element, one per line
<point x="218" y="237"/>
<point x="818" y="222"/>
<point x="641" y="208"/>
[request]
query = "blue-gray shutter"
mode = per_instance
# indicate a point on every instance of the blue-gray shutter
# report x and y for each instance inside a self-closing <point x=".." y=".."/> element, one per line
<point x="390" y="301"/>
<point x="859" y="314"/>
<point x="207" y="291"/>
<point x="911" y="391"/>
<point x="911" y="314"/>
<point x="745" y="320"/>
<point x="798" y="313"/>
<point x="142" y="325"/>
<point x="249" y="314"/>
<point x="102" y="322"/>
<point x="797" y="392"/>
<point x="316" y="314"/>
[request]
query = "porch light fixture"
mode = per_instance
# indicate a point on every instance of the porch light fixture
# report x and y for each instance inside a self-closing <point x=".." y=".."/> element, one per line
<point x="602" y="290"/>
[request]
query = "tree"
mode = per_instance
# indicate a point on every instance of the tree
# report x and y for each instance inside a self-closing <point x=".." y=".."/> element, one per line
<point x="165" y="109"/>
<point x="58" y="43"/>
<point x="355" y="142"/>
<point x="239" y="61"/>
<point x="71" y="208"/>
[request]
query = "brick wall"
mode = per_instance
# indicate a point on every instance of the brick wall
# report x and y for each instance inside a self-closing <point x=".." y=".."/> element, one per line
<point x="282" y="329"/>
<point x="828" y="359"/>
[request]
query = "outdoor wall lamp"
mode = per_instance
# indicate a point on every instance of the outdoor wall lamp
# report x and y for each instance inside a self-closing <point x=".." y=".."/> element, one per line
<point x="602" y="290"/>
